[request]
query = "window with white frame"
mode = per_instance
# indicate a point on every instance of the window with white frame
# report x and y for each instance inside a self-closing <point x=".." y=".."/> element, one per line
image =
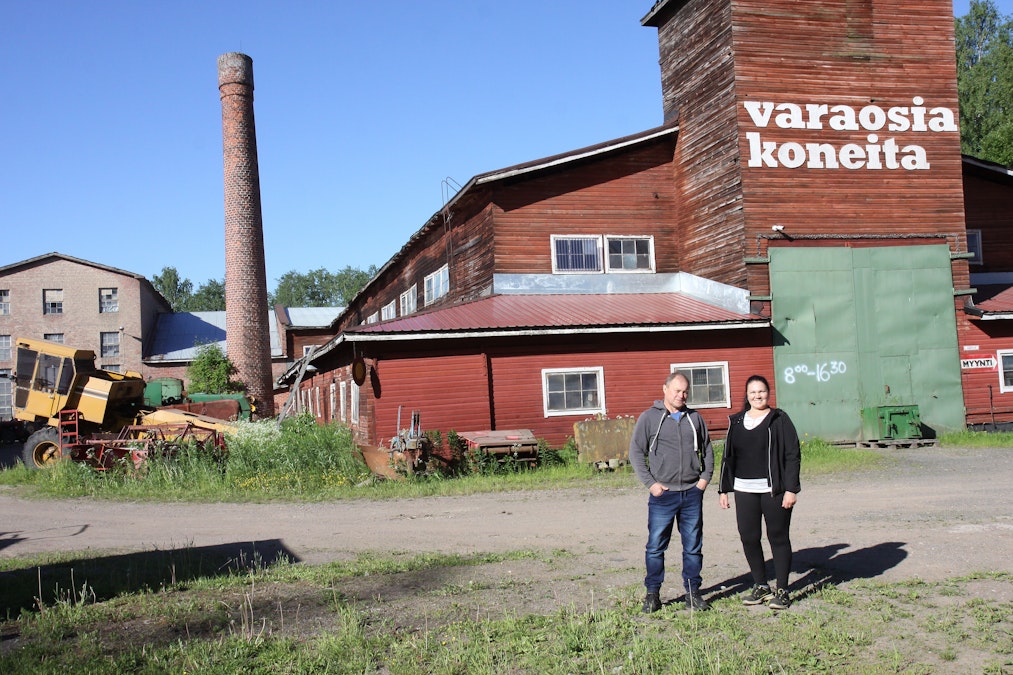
<point x="629" y="254"/>
<point x="319" y="403"/>
<point x="52" y="301"/>
<point x="5" y="301"/>
<point x="573" y="391"/>
<point x="583" y="254"/>
<point x="6" y="394"/>
<point x="53" y="337"/>
<point x="388" y="311"/>
<point x="5" y="348"/>
<point x="708" y="384"/>
<point x="1005" y="358"/>
<point x="355" y="403"/>
<point x="373" y="318"/>
<point x="306" y="349"/>
<point x="344" y="401"/>
<point x="974" y="247"/>
<point x="409" y="301"/>
<point x="576" y="254"/>
<point x="333" y="400"/>
<point x="110" y="344"/>
<point x="107" y="301"/>
<point x="437" y="285"/>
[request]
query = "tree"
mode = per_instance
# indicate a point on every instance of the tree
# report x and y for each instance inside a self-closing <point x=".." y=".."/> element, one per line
<point x="320" y="288"/>
<point x="209" y="297"/>
<point x="985" y="82"/>
<point x="211" y="371"/>
<point x="175" y="290"/>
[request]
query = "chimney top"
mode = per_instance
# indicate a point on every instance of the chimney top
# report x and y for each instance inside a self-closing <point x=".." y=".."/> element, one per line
<point x="235" y="68"/>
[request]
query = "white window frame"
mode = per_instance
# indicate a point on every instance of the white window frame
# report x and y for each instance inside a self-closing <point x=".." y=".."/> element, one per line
<point x="52" y="301"/>
<point x="319" y="403"/>
<point x="974" y="247"/>
<point x="333" y="396"/>
<point x="595" y="238"/>
<point x="389" y="311"/>
<point x="409" y="301"/>
<point x="306" y="349"/>
<point x="687" y="370"/>
<point x="5" y="301"/>
<point x="599" y="371"/>
<point x="436" y="285"/>
<point x="629" y="237"/>
<point x="112" y="348"/>
<point x="355" y="402"/>
<point x="6" y="394"/>
<point x="344" y="401"/>
<point x="373" y="318"/>
<point x="108" y="300"/>
<point x="1003" y="387"/>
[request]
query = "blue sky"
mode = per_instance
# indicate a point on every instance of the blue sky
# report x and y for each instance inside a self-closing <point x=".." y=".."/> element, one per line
<point x="111" y="123"/>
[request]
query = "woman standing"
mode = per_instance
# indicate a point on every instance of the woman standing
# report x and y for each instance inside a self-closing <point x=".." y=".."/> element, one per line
<point x="761" y="464"/>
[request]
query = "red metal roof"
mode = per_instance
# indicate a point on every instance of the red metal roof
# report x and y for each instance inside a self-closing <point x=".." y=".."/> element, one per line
<point x="556" y="311"/>
<point x="994" y="299"/>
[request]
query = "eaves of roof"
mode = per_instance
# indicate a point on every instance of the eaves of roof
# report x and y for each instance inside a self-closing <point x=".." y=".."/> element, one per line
<point x="545" y="315"/>
<point x="992" y="302"/>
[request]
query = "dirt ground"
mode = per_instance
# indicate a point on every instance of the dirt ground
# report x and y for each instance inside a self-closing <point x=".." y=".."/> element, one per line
<point x="934" y="514"/>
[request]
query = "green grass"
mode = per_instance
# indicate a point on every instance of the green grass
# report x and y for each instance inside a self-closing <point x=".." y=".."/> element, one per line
<point x="284" y="618"/>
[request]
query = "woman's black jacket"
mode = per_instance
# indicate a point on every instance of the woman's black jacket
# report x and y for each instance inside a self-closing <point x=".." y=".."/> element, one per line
<point x="784" y="456"/>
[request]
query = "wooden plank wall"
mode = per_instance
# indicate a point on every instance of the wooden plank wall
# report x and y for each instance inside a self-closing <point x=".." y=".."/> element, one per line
<point x="697" y="76"/>
<point x="987" y="336"/>
<point x="839" y="52"/>
<point x="989" y="208"/>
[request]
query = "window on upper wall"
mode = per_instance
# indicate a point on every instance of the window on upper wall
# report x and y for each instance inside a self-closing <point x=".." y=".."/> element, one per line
<point x="52" y="301"/>
<point x="107" y="301"/>
<point x="5" y="301"/>
<point x="5" y="348"/>
<point x="306" y="349"/>
<point x="437" y="285"/>
<point x="53" y="337"/>
<point x="584" y="254"/>
<point x="110" y="344"/>
<point x="388" y="311"/>
<point x="409" y="301"/>
<point x="974" y="247"/>
<point x="1005" y="358"/>
<point x="573" y="391"/>
<point x="629" y="254"/>
<point x="708" y="384"/>
<point x="576" y="254"/>
<point x="373" y="318"/>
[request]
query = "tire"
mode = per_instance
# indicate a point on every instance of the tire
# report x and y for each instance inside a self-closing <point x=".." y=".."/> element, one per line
<point x="42" y="449"/>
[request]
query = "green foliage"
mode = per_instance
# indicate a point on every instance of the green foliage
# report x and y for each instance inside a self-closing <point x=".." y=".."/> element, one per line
<point x="211" y="371"/>
<point x="984" y="40"/>
<point x="209" y="297"/>
<point x="320" y="287"/>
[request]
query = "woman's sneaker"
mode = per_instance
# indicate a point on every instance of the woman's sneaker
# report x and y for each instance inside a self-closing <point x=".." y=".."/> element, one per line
<point x="759" y="595"/>
<point x="780" y="600"/>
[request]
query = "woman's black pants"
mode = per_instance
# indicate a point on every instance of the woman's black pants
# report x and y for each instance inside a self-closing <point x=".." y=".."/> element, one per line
<point x="750" y="509"/>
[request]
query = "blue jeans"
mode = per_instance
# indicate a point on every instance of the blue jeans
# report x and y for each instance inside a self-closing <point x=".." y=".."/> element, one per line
<point x="685" y="509"/>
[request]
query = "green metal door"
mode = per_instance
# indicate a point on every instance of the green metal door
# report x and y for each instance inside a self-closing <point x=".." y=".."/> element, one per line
<point x="864" y="327"/>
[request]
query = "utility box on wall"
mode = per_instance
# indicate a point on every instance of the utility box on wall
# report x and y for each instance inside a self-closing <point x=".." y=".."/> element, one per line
<point x="891" y="422"/>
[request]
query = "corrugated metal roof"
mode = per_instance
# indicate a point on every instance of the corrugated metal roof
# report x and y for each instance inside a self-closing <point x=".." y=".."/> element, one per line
<point x="177" y="335"/>
<point x="312" y="317"/>
<point x="520" y="312"/>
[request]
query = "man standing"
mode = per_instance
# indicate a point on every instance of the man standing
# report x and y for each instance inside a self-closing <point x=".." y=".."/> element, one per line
<point x="672" y="455"/>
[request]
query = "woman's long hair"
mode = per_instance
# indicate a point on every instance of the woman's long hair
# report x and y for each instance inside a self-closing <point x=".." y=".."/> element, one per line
<point x="754" y="378"/>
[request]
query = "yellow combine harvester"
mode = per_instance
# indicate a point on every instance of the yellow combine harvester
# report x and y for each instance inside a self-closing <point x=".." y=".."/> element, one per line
<point x="72" y="409"/>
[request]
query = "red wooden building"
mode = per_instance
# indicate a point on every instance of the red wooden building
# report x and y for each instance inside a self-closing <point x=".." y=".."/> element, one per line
<point x="799" y="214"/>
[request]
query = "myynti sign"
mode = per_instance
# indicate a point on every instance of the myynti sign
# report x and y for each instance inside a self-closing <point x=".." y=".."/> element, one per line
<point x="877" y="152"/>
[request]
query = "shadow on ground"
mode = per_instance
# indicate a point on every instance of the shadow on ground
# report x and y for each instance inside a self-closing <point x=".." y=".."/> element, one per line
<point x="821" y="566"/>
<point x="101" y="578"/>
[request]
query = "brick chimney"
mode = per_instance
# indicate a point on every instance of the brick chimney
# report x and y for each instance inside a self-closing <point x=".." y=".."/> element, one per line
<point x="246" y="322"/>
